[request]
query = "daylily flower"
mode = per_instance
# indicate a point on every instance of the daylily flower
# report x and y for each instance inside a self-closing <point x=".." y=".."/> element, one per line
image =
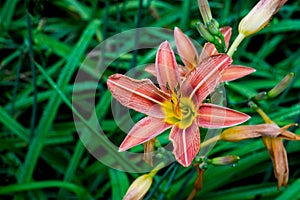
<point x="272" y="136"/>
<point x="191" y="59"/>
<point x="177" y="104"/>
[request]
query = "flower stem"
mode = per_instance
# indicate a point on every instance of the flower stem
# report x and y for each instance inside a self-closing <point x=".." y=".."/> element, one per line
<point x="192" y="194"/>
<point x="235" y="44"/>
<point x="262" y="114"/>
<point x="210" y="141"/>
<point x="156" y="169"/>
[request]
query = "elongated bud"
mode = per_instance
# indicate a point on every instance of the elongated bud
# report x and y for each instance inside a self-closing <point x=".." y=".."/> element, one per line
<point x="139" y="187"/>
<point x="281" y="86"/>
<point x="261" y="96"/>
<point x="259" y="16"/>
<point x="213" y="27"/>
<point x="225" y="160"/>
<point x="205" y="33"/>
<point x="205" y="11"/>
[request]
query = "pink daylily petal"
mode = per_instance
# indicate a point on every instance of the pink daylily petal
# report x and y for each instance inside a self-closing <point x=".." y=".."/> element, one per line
<point x="151" y="69"/>
<point x="140" y="95"/>
<point x="209" y="48"/>
<point x="186" y="143"/>
<point x="234" y="72"/>
<point x="186" y="49"/>
<point x="226" y="31"/>
<point x="181" y="69"/>
<point x="203" y="80"/>
<point x="143" y="131"/>
<point x="214" y="116"/>
<point x="166" y="68"/>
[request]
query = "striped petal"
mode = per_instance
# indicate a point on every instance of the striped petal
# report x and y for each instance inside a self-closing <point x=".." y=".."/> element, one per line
<point x="226" y="31"/>
<point x="140" y="95"/>
<point x="214" y="116"/>
<point x="203" y="80"/>
<point x="186" y="143"/>
<point x="143" y="131"/>
<point x="186" y="49"/>
<point x="234" y="72"/>
<point x="166" y="68"/>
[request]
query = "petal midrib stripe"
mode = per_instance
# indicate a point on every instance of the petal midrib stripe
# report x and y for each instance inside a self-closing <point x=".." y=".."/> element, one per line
<point x="205" y="78"/>
<point x="136" y="92"/>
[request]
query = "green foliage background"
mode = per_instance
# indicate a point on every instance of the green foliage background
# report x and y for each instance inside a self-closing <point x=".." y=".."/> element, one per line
<point x="41" y="154"/>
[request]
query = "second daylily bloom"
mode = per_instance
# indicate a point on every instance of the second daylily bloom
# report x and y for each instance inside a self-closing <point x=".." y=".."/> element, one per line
<point x="191" y="59"/>
<point x="177" y="104"/>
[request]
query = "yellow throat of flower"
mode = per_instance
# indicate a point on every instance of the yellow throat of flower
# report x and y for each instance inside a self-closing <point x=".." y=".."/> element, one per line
<point x="180" y="111"/>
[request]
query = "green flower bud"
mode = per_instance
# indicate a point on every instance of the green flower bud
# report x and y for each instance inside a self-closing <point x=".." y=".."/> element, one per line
<point x="225" y="160"/>
<point x="281" y="86"/>
<point x="205" y="33"/>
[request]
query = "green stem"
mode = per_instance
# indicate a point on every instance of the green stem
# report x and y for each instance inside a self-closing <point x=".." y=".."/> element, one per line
<point x="157" y="168"/>
<point x="235" y="44"/>
<point x="210" y="141"/>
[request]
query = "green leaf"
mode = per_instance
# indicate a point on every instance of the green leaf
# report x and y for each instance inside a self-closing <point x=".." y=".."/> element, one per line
<point x="119" y="183"/>
<point x="292" y="192"/>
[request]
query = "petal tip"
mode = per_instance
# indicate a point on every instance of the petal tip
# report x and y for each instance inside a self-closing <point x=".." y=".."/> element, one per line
<point x="122" y="148"/>
<point x="164" y="43"/>
<point x="177" y="30"/>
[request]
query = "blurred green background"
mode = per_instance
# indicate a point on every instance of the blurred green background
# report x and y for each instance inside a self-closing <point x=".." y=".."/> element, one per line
<point x="42" y="44"/>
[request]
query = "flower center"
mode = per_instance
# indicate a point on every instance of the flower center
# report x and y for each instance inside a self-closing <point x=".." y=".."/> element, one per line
<point x="179" y="111"/>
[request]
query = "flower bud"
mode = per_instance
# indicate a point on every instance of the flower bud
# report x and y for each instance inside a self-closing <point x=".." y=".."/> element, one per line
<point x="281" y="86"/>
<point x="205" y="33"/>
<point x="261" y="96"/>
<point x="139" y="187"/>
<point x="213" y="27"/>
<point x="225" y="160"/>
<point x="205" y="11"/>
<point x="259" y="16"/>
